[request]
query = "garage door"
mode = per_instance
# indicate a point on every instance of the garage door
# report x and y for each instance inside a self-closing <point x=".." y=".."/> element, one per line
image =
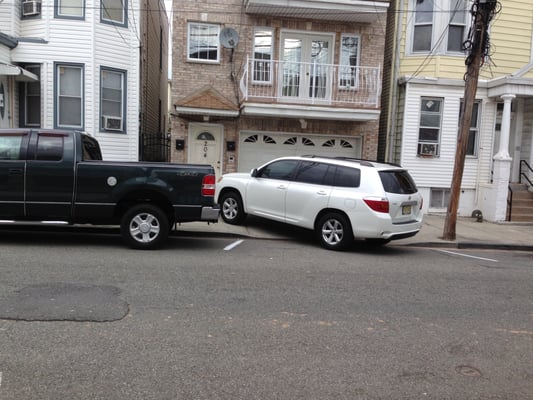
<point x="256" y="149"/>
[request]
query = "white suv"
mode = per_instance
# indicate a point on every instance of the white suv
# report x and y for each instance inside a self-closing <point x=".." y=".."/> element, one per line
<point x="341" y="199"/>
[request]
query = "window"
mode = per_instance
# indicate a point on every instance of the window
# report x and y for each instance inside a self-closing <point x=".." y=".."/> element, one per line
<point x="262" y="55"/>
<point x="457" y="26"/>
<point x="69" y="96"/>
<point x="114" y="12"/>
<point x="203" y="44"/>
<point x="112" y="100"/>
<point x="439" y="27"/>
<point x="31" y="103"/>
<point x="396" y="181"/>
<point x="349" y="62"/>
<point x="311" y="172"/>
<point x="439" y="198"/>
<point x="49" y="148"/>
<point x="347" y="177"/>
<point x="278" y="170"/>
<point x="10" y="147"/>
<point x="473" y="134"/>
<point x="70" y="9"/>
<point x="429" y="128"/>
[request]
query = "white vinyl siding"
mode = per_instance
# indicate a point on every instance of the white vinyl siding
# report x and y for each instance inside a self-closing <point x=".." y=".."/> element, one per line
<point x="437" y="172"/>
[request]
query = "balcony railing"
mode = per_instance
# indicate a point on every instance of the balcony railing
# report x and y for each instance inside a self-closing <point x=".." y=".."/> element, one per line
<point x="310" y="83"/>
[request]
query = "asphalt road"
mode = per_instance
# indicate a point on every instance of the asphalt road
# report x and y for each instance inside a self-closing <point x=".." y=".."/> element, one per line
<point x="83" y="317"/>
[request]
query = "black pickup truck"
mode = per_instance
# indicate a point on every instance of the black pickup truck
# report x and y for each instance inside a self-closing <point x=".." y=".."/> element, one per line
<point x="59" y="176"/>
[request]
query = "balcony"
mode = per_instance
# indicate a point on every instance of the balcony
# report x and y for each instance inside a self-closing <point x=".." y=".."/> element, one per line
<point x="310" y="90"/>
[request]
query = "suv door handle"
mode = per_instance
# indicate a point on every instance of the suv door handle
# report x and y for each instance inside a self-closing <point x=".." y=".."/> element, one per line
<point x="321" y="193"/>
<point x="282" y="187"/>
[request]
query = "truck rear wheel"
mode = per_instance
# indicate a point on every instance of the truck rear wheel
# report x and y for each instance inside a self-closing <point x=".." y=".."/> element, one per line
<point x="144" y="227"/>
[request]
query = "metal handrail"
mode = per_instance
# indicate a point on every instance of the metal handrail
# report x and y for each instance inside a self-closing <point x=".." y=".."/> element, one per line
<point x="509" y="203"/>
<point x="523" y="174"/>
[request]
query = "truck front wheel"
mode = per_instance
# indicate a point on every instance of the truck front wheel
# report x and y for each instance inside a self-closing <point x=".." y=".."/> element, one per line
<point x="144" y="227"/>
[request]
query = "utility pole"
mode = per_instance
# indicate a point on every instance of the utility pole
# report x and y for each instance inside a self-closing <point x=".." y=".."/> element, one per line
<point x="478" y="45"/>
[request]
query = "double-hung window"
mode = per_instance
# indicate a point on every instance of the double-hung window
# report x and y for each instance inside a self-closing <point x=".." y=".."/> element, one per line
<point x="473" y="133"/>
<point x="262" y="55"/>
<point x="114" y="12"/>
<point x="349" y="62"/>
<point x="69" y="96"/>
<point x="203" y="42"/>
<point x="438" y="26"/>
<point x="31" y="103"/>
<point x="430" y="126"/>
<point x="74" y="9"/>
<point x="112" y="100"/>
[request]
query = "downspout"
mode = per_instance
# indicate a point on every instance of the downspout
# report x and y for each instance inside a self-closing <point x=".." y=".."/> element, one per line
<point x="394" y="92"/>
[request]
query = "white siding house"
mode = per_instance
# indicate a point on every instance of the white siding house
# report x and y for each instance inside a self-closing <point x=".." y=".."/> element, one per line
<point x="80" y="68"/>
<point x="423" y="91"/>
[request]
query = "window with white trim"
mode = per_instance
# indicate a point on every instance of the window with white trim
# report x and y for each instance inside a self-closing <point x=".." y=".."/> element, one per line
<point x="439" y="27"/>
<point x="69" y="96"/>
<point x="430" y="126"/>
<point x="70" y="9"/>
<point x="262" y="55"/>
<point x="349" y="62"/>
<point x="31" y="104"/>
<point x="114" y="12"/>
<point x="203" y="44"/>
<point x="473" y="133"/>
<point x="112" y="100"/>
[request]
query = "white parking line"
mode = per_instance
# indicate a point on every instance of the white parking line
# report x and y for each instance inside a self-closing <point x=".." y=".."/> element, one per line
<point x="466" y="255"/>
<point x="233" y="245"/>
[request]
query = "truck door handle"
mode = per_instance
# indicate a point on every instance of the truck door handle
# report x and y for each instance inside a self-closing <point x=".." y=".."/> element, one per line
<point x="15" y="171"/>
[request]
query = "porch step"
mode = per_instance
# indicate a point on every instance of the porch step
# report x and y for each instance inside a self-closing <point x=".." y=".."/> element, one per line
<point x="522" y="210"/>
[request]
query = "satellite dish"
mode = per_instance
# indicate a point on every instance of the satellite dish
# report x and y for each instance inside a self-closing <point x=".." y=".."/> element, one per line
<point x="229" y="38"/>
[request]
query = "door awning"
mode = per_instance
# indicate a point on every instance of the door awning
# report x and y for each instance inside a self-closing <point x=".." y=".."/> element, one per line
<point x="19" y="73"/>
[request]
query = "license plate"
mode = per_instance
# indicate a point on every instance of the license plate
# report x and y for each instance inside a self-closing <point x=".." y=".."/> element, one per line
<point x="406" y="210"/>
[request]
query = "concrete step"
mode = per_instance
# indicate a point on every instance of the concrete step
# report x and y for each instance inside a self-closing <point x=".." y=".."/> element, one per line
<point x="521" y="217"/>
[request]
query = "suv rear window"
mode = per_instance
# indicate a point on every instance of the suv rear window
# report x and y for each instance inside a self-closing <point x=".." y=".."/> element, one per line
<point x="397" y="181"/>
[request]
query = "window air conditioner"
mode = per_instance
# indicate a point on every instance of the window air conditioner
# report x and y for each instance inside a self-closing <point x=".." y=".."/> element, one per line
<point x="30" y="8"/>
<point x="428" y="149"/>
<point x="112" y="123"/>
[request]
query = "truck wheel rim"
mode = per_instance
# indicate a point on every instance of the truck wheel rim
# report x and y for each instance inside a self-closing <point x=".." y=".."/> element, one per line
<point x="332" y="232"/>
<point x="144" y="228"/>
<point x="230" y="208"/>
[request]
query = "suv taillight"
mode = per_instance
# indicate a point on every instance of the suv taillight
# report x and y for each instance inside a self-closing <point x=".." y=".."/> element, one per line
<point x="378" y="205"/>
<point x="208" y="185"/>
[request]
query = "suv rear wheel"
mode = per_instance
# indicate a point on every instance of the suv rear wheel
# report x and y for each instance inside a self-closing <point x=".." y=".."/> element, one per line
<point x="334" y="231"/>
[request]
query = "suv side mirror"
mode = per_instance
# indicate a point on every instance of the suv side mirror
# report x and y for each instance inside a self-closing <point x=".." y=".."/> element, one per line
<point x="254" y="172"/>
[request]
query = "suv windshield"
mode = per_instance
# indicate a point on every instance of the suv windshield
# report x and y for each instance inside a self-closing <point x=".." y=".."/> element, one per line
<point x="397" y="181"/>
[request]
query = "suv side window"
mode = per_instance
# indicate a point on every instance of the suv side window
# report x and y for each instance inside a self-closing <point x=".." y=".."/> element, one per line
<point x="397" y="181"/>
<point x="282" y="169"/>
<point x="311" y="172"/>
<point x="10" y="147"/>
<point x="347" y="177"/>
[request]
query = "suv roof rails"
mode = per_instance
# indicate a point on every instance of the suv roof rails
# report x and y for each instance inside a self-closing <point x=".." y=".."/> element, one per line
<point x="362" y="161"/>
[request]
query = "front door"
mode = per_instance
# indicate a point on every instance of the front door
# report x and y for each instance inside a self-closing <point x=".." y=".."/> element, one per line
<point x="206" y="145"/>
<point x="306" y="66"/>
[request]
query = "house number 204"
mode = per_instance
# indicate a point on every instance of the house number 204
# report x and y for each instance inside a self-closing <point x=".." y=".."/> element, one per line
<point x="205" y="149"/>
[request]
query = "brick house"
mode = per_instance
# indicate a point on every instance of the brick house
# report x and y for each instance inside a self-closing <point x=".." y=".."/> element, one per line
<point x="254" y="80"/>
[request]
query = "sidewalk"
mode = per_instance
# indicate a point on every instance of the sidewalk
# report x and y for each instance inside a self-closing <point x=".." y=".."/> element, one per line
<point x="469" y="232"/>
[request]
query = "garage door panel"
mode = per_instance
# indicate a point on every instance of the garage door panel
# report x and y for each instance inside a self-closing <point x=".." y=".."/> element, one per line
<point x="256" y="149"/>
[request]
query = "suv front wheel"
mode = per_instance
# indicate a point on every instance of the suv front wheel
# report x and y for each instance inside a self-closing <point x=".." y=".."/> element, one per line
<point x="334" y="231"/>
<point x="232" y="211"/>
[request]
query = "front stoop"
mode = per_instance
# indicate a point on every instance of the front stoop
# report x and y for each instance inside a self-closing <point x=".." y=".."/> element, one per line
<point x="522" y="204"/>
